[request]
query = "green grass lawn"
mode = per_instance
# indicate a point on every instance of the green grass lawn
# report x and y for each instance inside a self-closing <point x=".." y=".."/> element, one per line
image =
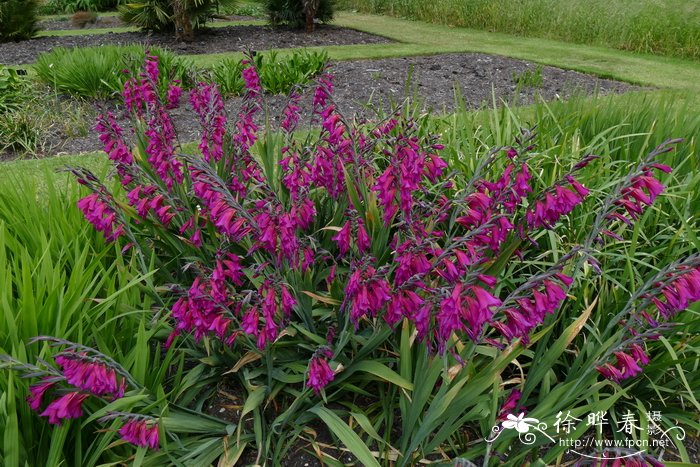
<point x="666" y="27"/>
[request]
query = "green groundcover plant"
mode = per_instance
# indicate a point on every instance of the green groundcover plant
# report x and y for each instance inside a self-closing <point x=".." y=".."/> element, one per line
<point x="346" y="273"/>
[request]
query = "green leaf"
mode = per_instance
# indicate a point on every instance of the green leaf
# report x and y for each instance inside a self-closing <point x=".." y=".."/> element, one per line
<point x="348" y="437"/>
<point x="382" y="371"/>
<point x="550" y="357"/>
<point x="252" y="402"/>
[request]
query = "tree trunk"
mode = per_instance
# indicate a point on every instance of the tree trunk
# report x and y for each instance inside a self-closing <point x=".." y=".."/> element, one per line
<point x="183" y="23"/>
<point x="310" y="10"/>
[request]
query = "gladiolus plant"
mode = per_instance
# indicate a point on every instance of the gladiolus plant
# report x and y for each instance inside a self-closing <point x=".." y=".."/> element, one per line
<point x="305" y="253"/>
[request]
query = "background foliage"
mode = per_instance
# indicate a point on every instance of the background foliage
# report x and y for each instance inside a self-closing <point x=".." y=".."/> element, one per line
<point x="18" y="19"/>
<point x="291" y="12"/>
<point x="667" y="27"/>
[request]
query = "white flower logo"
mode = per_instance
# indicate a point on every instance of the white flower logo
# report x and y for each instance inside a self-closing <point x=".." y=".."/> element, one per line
<point x="520" y="423"/>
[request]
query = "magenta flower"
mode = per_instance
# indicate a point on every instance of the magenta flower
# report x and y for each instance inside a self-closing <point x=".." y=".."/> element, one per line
<point x="36" y="394"/>
<point x="207" y="103"/>
<point x="115" y="146"/>
<point x="288" y="302"/>
<point x="323" y="92"/>
<point x="628" y="366"/>
<point x="151" y="67"/>
<point x="203" y="310"/>
<point x="410" y="165"/>
<point x="679" y="293"/>
<point x="173" y="96"/>
<point x="65" y="407"/>
<point x="251" y="79"/>
<point x="291" y="113"/>
<point x="449" y="318"/>
<point x="610" y="372"/>
<point x="403" y="304"/>
<point x="142" y="433"/>
<point x="477" y="310"/>
<point x="639" y="354"/>
<point x="412" y="261"/>
<point x="555" y="204"/>
<point x="161" y="148"/>
<point x="250" y="322"/>
<point x="101" y="216"/>
<point x="363" y="241"/>
<point x="539" y="297"/>
<point x="510" y="405"/>
<point x="319" y="372"/>
<point x="96" y="378"/>
<point x="367" y="292"/>
<point x="640" y="193"/>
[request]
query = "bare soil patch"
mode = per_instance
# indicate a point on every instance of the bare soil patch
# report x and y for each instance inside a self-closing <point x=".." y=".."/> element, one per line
<point x="208" y="41"/>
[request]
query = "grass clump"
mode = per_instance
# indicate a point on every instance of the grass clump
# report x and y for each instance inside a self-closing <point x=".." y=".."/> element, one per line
<point x="278" y="75"/>
<point x="100" y="72"/>
<point x="667" y="27"/>
<point x="528" y="78"/>
<point x="13" y="89"/>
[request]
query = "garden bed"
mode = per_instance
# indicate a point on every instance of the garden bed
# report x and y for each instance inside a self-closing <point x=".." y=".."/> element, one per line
<point x="480" y="79"/>
<point x="209" y="41"/>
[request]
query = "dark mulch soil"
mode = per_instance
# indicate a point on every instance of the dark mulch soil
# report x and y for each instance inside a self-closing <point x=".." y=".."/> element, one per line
<point x="66" y="24"/>
<point x="433" y="80"/>
<point x="208" y="41"/>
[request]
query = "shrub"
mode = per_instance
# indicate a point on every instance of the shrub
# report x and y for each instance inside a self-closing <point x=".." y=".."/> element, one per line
<point x="99" y="72"/>
<point x="18" y="20"/>
<point x="292" y="13"/>
<point x="318" y="249"/>
<point x="159" y="15"/>
<point x="80" y="19"/>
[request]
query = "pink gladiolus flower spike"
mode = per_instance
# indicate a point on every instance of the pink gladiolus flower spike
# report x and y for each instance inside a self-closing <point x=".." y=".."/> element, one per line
<point x="319" y="373"/>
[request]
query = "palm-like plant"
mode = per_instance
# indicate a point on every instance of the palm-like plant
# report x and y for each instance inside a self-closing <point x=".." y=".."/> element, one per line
<point x="184" y="17"/>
